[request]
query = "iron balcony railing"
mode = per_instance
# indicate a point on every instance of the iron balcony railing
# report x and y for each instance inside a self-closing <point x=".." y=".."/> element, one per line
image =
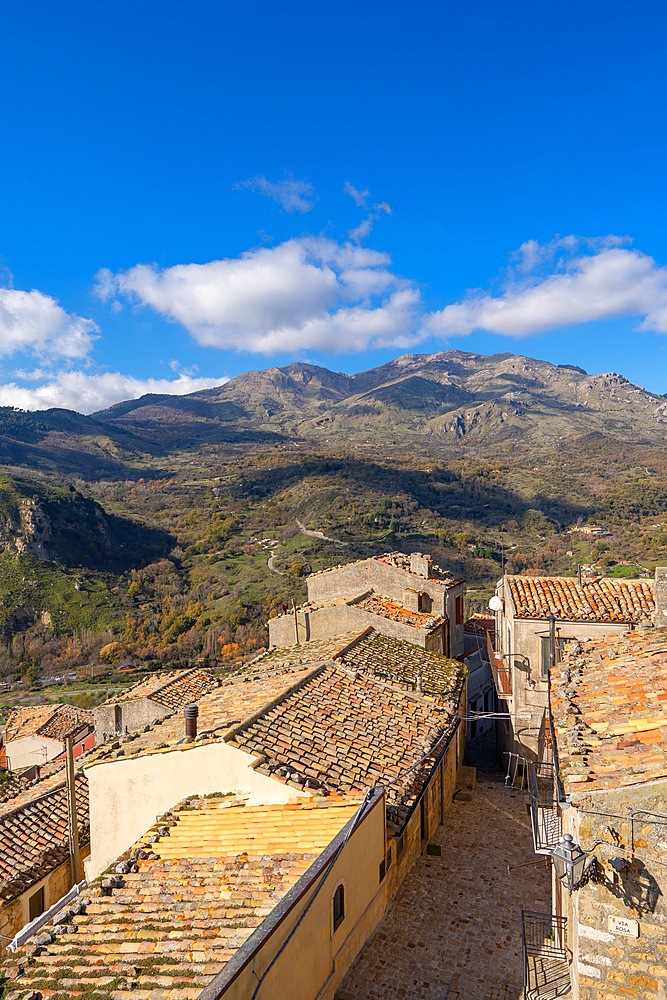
<point x="546" y="958"/>
<point x="502" y="671"/>
<point x="544" y="812"/>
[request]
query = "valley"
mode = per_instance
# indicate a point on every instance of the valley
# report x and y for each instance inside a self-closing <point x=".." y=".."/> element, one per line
<point x="140" y="533"/>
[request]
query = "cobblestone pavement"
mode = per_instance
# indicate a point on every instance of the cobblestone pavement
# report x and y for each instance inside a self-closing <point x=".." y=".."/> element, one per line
<point x="457" y="918"/>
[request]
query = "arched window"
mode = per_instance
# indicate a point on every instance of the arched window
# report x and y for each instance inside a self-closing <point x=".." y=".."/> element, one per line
<point x="338" y="906"/>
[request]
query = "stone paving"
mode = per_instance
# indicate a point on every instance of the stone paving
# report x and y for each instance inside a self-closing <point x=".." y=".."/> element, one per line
<point x="457" y="918"/>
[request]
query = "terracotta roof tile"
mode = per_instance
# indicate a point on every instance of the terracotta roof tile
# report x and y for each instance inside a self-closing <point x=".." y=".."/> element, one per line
<point x="54" y="722"/>
<point x="361" y="722"/>
<point x="609" y="707"/>
<point x="394" y="610"/>
<point x="172" y="924"/>
<point x="480" y="624"/>
<point x="601" y="600"/>
<point x="34" y="835"/>
<point x="173" y="688"/>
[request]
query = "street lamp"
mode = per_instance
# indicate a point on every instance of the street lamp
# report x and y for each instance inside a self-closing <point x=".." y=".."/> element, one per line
<point x="569" y="861"/>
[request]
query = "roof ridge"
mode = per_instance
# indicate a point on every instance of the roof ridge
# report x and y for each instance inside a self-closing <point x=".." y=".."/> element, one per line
<point x="232" y="733"/>
<point x="39" y="798"/>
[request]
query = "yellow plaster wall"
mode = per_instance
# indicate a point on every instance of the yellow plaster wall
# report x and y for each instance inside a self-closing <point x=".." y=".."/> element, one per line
<point x="316" y="959"/>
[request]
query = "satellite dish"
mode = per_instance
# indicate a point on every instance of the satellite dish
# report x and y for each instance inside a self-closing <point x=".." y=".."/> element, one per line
<point x="496" y="604"/>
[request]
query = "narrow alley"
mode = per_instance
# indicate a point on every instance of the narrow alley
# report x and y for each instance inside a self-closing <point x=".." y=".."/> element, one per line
<point x="456" y="922"/>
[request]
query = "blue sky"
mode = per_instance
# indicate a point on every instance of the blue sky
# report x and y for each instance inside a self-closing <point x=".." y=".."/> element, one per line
<point x="192" y="190"/>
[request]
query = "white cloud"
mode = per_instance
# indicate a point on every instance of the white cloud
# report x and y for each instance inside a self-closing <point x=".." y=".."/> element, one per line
<point x="32" y="321"/>
<point x="590" y="280"/>
<point x="76" y="390"/>
<point x="304" y="293"/>
<point x="291" y="194"/>
<point x="358" y="196"/>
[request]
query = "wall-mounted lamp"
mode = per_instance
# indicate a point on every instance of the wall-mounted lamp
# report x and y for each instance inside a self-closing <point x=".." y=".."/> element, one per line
<point x="570" y="862"/>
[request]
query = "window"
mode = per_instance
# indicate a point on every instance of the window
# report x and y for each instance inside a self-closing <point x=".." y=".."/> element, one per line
<point x="458" y="613"/>
<point x="36" y="904"/>
<point x="383" y="869"/>
<point x="338" y="906"/>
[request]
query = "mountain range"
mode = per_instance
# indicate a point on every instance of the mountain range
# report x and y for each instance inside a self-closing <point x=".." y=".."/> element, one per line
<point x="438" y="403"/>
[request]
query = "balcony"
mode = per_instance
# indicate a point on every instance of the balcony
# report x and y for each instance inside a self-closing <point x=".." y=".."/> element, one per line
<point x="502" y="672"/>
<point x="546" y="959"/>
<point x="544" y="812"/>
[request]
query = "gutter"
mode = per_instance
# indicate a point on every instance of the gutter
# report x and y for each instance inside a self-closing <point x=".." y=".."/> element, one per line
<point x="44" y="918"/>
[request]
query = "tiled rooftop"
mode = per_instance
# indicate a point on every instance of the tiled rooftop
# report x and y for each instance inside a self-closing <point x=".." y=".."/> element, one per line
<point x="601" y="600"/>
<point x="313" y="651"/>
<point x="609" y="706"/>
<point x="406" y="666"/>
<point x="346" y="730"/>
<point x="394" y="610"/>
<point x="34" y="837"/>
<point x="54" y="722"/>
<point x="480" y="624"/>
<point x="173" y="688"/>
<point x="174" y="919"/>
<point x="229" y="704"/>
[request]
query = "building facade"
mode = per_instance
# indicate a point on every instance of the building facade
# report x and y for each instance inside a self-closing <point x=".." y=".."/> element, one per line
<point x="536" y="619"/>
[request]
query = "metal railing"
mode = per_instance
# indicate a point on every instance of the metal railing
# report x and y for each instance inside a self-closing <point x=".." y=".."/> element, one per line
<point x="546" y="961"/>
<point x="544" y="812"/>
<point x="502" y="672"/>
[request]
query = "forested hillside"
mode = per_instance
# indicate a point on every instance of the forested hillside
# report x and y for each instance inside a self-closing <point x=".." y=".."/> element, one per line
<point x="171" y="528"/>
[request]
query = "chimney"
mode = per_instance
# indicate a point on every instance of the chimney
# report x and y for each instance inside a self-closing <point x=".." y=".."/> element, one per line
<point x="420" y="564"/>
<point x="190" y="712"/>
<point x="660" y="597"/>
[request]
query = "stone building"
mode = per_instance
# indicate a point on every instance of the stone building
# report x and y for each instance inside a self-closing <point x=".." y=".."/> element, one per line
<point x="479" y="634"/>
<point x="152" y="698"/>
<point x="403" y="596"/>
<point x="609" y="712"/>
<point x="285" y="827"/>
<point x="527" y="608"/>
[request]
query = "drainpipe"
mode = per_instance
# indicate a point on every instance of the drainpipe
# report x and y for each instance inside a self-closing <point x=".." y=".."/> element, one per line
<point x="552" y="640"/>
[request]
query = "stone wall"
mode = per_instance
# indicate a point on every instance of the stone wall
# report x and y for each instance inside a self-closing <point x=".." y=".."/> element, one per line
<point x="126" y="717"/>
<point x="326" y="622"/>
<point x="617" y="925"/>
<point x="390" y="581"/>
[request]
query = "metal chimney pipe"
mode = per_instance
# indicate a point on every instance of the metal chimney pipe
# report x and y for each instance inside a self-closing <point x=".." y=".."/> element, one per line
<point x="190" y="713"/>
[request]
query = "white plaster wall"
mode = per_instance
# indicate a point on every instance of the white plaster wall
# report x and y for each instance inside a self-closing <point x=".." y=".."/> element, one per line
<point x="126" y="796"/>
<point x="30" y="750"/>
